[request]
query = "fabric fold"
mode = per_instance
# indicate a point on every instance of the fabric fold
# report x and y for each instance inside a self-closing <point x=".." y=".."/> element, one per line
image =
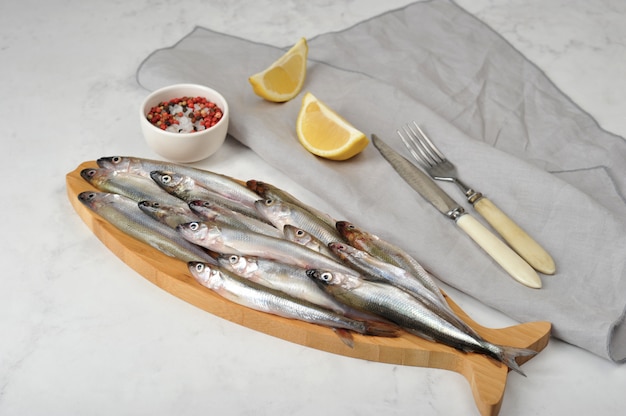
<point x="495" y="115"/>
<point x="478" y="82"/>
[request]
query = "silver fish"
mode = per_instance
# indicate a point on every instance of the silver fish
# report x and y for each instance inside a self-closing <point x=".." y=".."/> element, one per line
<point x="218" y="183"/>
<point x="281" y="213"/>
<point x="135" y="187"/>
<point x="403" y="309"/>
<point x="300" y="236"/>
<point x="387" y="252"/>
<point x="257" y="297"/>
<point x="374" y="269"/>
<point x="167" y="214"/>
<point x="211" y="211"/>
<point x="286" y="278"/>
<point x="228" y="240"/>
<point x="187" y="189"/>
<point x="266" y="190"/>
<point x="124" y="214"/>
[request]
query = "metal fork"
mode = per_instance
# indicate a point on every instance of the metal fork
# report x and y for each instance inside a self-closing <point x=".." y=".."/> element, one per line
<point x="434" y="162"/>
<point x="440" y="168"/>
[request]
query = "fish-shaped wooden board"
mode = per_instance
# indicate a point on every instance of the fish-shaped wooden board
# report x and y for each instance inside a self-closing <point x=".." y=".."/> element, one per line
<point x="487" y="378"/>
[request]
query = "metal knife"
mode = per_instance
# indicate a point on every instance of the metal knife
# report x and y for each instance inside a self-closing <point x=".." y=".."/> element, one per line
<point x="508" y="259"/>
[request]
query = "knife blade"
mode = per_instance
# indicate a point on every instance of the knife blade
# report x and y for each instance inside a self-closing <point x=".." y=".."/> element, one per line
<point x="508" y="259"/>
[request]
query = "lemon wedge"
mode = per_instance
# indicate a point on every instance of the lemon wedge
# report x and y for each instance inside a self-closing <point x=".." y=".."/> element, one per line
<point x="325" y="133"/>
<point x="283" y="79"/>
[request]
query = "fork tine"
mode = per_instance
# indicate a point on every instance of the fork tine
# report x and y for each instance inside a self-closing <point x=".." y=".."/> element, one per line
<point x="417" y="153"/>
<point x="421" y="148"/>
<point x="429" y="145"/>
<point x="419" y="143"/>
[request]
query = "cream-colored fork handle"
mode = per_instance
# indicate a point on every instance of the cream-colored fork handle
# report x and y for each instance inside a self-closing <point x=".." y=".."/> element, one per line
<point x="517" y="238"/>
<point x="499" y="251"/>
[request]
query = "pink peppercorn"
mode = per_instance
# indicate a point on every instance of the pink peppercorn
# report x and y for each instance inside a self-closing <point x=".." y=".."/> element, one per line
<point x="198" y="110"/>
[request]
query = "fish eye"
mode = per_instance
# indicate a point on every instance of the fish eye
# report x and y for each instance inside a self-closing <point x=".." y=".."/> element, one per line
<point x="199" y="267"/>
<point x="116" y="159"/>
<point x="86" y="196"/>
<point x="166" y="179"/>
<point x="193" y="226"/>
<point x="269" y="201"/>
<point x="300" y="233"/>
<point x="326" y="276"/>
<point x="233" y="259"/>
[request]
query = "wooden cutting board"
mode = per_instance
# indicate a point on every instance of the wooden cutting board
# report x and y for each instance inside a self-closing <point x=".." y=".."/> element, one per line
<point x="487" y="378"/>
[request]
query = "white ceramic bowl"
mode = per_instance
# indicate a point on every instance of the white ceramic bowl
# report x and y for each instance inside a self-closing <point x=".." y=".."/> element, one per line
<point x="184" y="147"/>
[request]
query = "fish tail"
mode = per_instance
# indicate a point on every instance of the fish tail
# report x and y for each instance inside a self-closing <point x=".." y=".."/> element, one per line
<point x="508" y="355"/>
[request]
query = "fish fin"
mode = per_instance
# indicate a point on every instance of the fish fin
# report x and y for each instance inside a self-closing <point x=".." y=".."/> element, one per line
<point x="382" y="329"/>
<point x="509" y="354"/>
<point x="421" y="334"/>
<point x="359" y="315"/>
<point x="345" y="336"/>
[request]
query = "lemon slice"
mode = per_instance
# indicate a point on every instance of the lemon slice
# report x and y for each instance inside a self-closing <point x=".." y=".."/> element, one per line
<point x="325" y="133"/>
<point x="283" y="79"/>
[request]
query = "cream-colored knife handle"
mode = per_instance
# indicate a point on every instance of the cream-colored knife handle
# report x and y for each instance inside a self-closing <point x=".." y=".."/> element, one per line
<point x="499" y="251"/>
<point x="517" y="238"/>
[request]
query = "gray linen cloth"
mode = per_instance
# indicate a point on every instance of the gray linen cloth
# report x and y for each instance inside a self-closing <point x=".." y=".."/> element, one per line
<point x="511" y="132"/>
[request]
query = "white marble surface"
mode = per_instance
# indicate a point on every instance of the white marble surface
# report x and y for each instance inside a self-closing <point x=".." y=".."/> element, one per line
<point x="82" y="333"/>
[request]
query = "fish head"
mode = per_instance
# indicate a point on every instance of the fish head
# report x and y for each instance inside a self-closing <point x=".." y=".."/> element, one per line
<point x="208" y="235"/>
<point x="321" y="277"/>
<point x="343" y="250"/>
<point x="125" y="164"/>
<point x="150" y="206"/>
<point x="347" y="229"/>
<point x="199" y="271"/>
<point x="158" y="207"/>
<point x="296" y="234"/>
<point x="273" y="209"/>
<point x="204" y="208"/>
<point x="257" y="186"/>
<point x="90" y="199"/>
<point x="167" y="180"/>
<point x="117" y="163"/>
<point x="339" y="249"/>
<point x="154" y="209"/>
<point x="205" y="274"/>
<point x="333" y="279"/>
<point x="241" y="265"/>
<point x="97" y="176"/>
<point x="354" y="235"/>
<point x="194" y="231"/>
<point x="95" y="200"/>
